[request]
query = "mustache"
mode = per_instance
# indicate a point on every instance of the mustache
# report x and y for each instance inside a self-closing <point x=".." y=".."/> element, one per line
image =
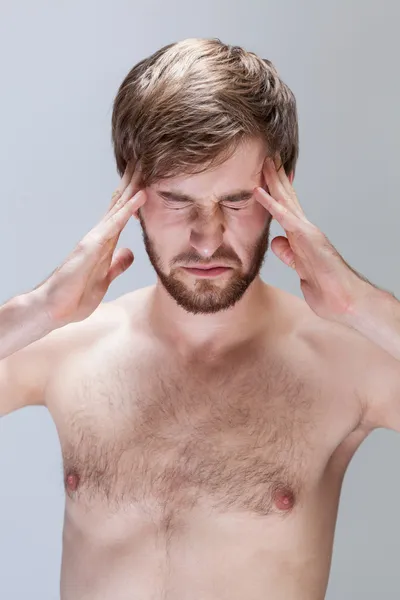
<point x="193" y="258"/>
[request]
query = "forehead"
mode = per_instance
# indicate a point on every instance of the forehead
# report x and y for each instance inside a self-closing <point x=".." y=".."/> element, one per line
<point x="242" y="170"/>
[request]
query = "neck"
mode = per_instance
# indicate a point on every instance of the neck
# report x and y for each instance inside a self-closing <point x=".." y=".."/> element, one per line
<point x="209" y="333"/>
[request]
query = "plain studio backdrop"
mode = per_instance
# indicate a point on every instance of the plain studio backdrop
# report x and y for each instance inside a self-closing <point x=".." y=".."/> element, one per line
<point x="61" y="65"/>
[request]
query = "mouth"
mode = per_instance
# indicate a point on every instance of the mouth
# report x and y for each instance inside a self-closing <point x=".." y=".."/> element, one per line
<point x="207" y="271"/>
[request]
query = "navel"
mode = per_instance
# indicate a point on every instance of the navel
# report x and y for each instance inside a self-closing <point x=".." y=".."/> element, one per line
<point x="72" y="481"/>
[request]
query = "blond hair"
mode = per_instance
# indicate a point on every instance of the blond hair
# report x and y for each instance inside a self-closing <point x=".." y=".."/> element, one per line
<point x="186" y="108"/>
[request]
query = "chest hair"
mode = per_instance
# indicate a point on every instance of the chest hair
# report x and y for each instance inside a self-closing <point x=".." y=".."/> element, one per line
<point x="163" y="437"/>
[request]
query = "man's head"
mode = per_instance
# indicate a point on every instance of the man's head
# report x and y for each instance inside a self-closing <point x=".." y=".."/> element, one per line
<point x="199" y="117"/>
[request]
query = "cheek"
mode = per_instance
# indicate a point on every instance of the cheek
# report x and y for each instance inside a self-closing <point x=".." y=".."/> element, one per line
<point x="165" y="230"/>
<point x="259" y="214"/>
<point x="248" y="222"/>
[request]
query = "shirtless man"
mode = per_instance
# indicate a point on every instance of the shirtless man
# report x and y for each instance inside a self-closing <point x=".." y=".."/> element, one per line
<point x="206" y="422"/>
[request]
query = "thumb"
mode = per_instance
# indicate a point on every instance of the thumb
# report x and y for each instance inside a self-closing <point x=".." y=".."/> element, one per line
<point x="121" y="261"/>
<point x="281" y="248"/>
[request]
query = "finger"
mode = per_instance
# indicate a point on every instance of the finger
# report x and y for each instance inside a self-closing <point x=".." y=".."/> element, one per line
<point x="284" y="179"/>
<point x="125" y="211"/>
<point x="113" y="224"/>
<point x="126" y="188"/>
<point x="120" y="200"/>
<point x="285" y="217"/>
<point x="127" y="176"/>
<point x="114" y="198"/>
<point x="281" y="248"/>
<point x="129" y="171"/>
<point x="277" y="163"/>
<point x="131" y="189"/>
<point x="277" y="188"/>
<point x="122" y="260"/>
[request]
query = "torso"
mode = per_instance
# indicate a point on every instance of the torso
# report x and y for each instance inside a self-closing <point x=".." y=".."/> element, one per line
<point x="210" y="480"/>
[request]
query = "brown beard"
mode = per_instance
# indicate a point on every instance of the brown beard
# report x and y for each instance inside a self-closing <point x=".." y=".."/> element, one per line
<point x="207" y="297"/>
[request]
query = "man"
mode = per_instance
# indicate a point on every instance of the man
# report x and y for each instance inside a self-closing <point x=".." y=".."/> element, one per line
<point x="206" y="422"/>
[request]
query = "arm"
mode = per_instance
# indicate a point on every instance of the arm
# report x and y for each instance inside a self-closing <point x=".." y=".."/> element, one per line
<point x="331" y="287"/>
<point x="24" y="359"/>
<point x="25" y="374"/>
<point x="23" y="320"/>
<point x="376" y="315"/>
<point x="29" y="343"/>
<point x="26" y="351"/>
<point x="370" y="375"/>
<point x="337" y="293"/>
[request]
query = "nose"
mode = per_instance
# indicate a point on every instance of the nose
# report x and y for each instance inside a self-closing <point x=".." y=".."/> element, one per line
<point x="207" y="232"/>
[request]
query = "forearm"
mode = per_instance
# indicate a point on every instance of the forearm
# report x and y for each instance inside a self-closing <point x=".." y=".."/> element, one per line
<point x="375" y="314"/>
<point x="23" y="320"/>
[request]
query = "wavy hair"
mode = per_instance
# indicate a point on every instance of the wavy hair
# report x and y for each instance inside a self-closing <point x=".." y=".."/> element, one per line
<point x="185" y="109"/>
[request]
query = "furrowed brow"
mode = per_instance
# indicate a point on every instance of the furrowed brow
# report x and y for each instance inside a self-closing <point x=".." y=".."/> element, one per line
<point x="231" y="197"/>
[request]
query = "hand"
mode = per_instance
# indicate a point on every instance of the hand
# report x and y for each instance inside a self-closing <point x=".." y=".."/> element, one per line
<point x="74" y="290"/>
<point x="328" y="283"/>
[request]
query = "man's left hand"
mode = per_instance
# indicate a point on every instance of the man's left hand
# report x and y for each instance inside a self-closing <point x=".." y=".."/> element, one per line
<point x="329" y="285"/>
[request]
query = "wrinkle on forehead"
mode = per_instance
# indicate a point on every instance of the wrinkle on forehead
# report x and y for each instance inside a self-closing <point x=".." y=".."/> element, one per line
<point x="210" y="199"/>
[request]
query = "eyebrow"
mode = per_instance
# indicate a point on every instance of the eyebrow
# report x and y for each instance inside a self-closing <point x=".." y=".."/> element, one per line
<point x="231" y="197"/>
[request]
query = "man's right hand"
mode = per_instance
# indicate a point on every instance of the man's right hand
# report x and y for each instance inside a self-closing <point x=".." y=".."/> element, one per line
<point x="76" y="288"/>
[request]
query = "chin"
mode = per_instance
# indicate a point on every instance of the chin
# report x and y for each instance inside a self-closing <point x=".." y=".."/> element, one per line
<point x="206" y="296"/>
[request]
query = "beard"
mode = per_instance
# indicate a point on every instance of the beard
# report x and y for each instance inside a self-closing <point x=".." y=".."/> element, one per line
<point x="208" y="297"/>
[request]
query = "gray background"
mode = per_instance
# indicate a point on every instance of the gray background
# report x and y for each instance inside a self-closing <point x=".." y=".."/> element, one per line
<point x="61" y="65"/>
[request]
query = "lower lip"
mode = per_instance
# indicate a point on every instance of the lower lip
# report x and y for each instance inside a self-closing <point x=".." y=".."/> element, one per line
<point x="208" y="272"/>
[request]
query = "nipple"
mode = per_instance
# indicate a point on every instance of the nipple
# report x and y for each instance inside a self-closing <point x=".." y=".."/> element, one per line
<point x="72" y="481"/>
<point x="284" y="499"/>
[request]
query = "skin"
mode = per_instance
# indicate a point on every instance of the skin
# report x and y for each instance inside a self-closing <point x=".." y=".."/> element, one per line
<point x="201" y="232"/>
<point x="206" y="230"/>
<point x="206" y="427"/>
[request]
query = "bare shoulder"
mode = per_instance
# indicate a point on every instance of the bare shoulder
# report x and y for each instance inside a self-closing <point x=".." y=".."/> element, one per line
<point x="345" y="365"/>
<point x="86" y="344"/>
<point x="107" y="319"/>
<point x="79" y="335"/>
<point x="338" y="353"/>
<point x="340" y="346"/>
<point x="337" y="347"/>
<point x="371" y="374"/>
<point x="26" y="374"/>
<point x="367" y="375"/>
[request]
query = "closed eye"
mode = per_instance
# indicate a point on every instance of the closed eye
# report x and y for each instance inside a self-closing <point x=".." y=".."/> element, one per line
<point x="237" y="205"/>
<point x="177" y="204"/>
<point x="236" y="201"/>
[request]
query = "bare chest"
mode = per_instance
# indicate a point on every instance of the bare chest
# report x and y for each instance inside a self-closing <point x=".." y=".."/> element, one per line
<point x="241" y="436"/>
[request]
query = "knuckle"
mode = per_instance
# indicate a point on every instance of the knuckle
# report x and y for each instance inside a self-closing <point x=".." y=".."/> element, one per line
<point x="129" y="190"/>
<point x="109" y="222"/>
<point x="82" y="244"/>
<point x="113" y="220"/>
<point x="116" y="200"/>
